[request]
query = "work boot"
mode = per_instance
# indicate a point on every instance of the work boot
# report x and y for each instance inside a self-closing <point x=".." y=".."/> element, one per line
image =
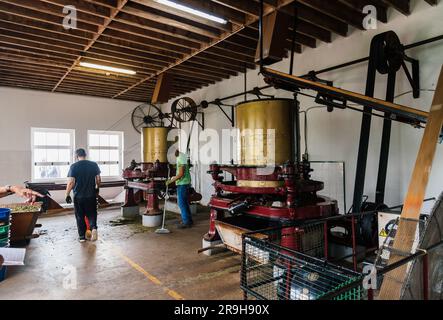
<point x="184" y="226"/>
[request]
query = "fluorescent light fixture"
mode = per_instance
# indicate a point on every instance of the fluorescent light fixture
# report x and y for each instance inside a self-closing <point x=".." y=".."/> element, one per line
<point x="192" y="11"/>
<point x="106" y="68"/>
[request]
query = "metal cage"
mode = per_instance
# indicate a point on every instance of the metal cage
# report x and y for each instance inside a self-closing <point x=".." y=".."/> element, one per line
<point x="287" y="264"/>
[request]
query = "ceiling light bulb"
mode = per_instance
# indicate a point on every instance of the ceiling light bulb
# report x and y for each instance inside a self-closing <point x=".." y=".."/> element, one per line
<point x="107" y="68"/>
<point x="192" y="11"/>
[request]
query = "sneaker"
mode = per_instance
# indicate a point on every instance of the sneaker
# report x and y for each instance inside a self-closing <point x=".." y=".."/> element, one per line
<point x="81" y="240"/>
<point x="94" y="235"/>
<point x="184" y="226"/>
<point x="88" y="235"/>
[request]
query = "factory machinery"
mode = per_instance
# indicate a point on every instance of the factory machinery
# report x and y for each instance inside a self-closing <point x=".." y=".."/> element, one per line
<point x="145" y="180"/>
<point x="272" y="185"/>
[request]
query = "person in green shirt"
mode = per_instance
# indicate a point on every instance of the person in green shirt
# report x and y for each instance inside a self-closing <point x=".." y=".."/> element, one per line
<point x="182" y="180"/>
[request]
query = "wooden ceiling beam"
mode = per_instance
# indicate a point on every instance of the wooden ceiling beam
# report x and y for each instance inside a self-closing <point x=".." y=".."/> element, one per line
<point x="10" y="8"/>
<point x="84" y="6"/>
<point x="248" y="7"/>
<point x="55" y="10"/>
<point x="127" y="53"/>
<point x="105" y="39"/>
<point x="141" y="11"/>
<point x="121" y="4"/>
<point x="402" y="6"/>
<point x="161" y="28"/>
<point x="381" y="7"/>
<point x="20" y="57"/>
<point x="146" y="42"/>
<point x="19" y="32"/>
<point x="337" y="10"/>
<point x="45" y="26"/>
<point x="218" y="10"/>
<point x="170" y="11"/>
<point x="320" y="19"/>
<point x="32" y="44"/>
<point x="149" y="34"/>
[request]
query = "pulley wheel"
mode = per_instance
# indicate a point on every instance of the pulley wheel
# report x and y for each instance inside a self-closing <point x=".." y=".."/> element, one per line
<point x="146" y="115"/>
<point x="389" y="52"/>
<point x="184" y="109"/>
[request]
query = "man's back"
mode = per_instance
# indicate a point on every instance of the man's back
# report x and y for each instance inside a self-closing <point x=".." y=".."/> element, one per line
<point x="84" y="173"/>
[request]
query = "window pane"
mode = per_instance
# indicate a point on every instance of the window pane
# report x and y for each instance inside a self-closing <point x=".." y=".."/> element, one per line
<point x="104" y="140"/>
<point x="40" y="155"/>
<point x="94" y="140"/>
<point x="51" y="139"/>
<point x="114" y="170"/>
<point x="104" y="155"/>
<point x="114" y="155"/>
<point x="50" y="172"/>
<point x="52" y="155"/>
<point x="39" y="138"/>
<point x="64" y="139"/>
<point x="64" y="155"/>
<point x="94" y="155"/>
<point x="114" y="141"/>
<point x="104" y="168"/>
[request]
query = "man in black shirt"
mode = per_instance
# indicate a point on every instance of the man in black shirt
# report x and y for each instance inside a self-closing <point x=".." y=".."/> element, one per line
<point x="84" y="179"/>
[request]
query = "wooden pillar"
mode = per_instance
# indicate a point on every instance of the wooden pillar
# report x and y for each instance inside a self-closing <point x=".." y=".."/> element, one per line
<point x="394" y="281"/>
<point x="275" y="33"/>
<point x="163" y="88"/>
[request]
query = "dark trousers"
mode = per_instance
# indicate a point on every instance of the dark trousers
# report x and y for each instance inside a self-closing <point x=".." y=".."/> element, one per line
<point x="183" y="203"/>
<point x="85" y="207"/>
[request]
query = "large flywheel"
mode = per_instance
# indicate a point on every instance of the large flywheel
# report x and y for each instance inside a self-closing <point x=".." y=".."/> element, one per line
<point x="146" y="115"/>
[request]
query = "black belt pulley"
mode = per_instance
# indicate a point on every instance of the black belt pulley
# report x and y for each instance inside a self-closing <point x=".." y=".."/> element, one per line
<point x="387" y="52"/>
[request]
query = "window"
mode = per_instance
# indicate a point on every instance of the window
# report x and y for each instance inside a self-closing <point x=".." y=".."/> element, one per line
<point x="52" y="153"/>
<point x="106" y="148"/>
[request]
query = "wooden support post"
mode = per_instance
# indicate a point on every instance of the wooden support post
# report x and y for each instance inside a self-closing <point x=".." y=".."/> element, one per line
<point x="394" y="281"/>
<point x="275" y="32"/>
<point x="163" y="88"/>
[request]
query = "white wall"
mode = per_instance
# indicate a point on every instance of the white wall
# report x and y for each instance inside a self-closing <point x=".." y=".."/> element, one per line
<point x="334" y="136"/>
<point x="22" y="109"/>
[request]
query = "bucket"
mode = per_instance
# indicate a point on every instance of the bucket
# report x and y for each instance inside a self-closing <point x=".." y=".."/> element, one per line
<point x="5" y="214"/>
<point x="4" y="242"/>
<point x="2" y="274"/>
<point x="4" y="231"/>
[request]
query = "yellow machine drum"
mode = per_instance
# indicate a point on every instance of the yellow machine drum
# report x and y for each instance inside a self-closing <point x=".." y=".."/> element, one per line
<point x="266" y="135"/>
<point x="155" y="145"/>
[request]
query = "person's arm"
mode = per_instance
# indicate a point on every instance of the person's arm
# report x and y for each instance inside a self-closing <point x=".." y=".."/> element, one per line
<point x="28" y="194"/>
<point x="98" y="182"/>
<point x="69" y="187"/>
<point x="181" y="173"/>
<point x="98" y="179"/>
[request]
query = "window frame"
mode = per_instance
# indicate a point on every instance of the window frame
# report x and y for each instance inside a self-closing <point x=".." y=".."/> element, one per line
<point x="120" y="148"/>
<point x="71" y="149"/>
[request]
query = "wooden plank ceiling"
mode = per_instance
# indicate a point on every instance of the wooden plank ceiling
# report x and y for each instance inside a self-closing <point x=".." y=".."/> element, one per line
<point x="36" y="52"/>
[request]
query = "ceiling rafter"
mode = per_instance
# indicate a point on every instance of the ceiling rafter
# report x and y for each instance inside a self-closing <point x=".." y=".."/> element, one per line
<point x="151" y="38"/>
<point x="115" y="11"/>
<point x="204" y="48"/>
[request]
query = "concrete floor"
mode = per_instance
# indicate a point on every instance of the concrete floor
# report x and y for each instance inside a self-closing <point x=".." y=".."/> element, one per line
<point x="128" y="262"/>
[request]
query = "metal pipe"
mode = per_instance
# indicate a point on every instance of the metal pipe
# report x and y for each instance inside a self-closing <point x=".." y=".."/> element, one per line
<point x="260" y="27"/>
<point x="294" y="35"/>
<point x="343" y="65"/>
<point x="354" y="244"/>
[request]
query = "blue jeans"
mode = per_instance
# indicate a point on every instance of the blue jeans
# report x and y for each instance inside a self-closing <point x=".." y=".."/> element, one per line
<point x="183" y="203"/>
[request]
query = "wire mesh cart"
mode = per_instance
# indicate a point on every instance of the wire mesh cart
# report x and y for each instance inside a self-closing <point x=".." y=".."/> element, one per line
<point x="287" y="264"/>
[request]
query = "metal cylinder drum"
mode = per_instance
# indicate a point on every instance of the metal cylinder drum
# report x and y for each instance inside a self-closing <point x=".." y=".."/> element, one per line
<point x="155" y="145"/>
<point x="266" y="132"/>
<point x="266" y="135"/>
